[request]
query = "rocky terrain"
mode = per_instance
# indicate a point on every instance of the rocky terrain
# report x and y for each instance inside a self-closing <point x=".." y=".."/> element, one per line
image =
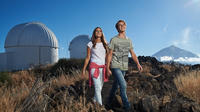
<point x="61" y="88"/>
<point x="153" y="90"/>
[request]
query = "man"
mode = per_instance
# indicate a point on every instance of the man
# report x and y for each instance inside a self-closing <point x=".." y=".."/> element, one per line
<point x="119" y="48"/>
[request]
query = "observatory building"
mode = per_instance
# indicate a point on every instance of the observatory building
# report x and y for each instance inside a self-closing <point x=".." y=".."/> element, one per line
<point x="78" y="47"/>
<point x="27" y="45"/>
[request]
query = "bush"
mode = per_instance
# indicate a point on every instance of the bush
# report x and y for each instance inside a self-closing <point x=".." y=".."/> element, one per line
<point x="188" y="84"/>
<point x="5" y="77"/>
<point x="67" y="66"/>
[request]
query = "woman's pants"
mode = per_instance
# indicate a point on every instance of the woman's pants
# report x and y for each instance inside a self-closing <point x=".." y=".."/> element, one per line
<point x="98" y="84"/>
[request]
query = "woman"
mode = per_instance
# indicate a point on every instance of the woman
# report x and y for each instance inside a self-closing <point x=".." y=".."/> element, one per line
<point x="96" y="54"/>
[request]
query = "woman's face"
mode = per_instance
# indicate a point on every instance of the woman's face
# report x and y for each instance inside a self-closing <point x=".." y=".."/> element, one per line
<point x="98" y="33"/>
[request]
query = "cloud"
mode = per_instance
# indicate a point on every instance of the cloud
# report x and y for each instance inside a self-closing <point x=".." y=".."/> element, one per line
<point x="62" y="48"/>
<point x="188" y="60"/>
<point x="184" y="60"/>
<point x="186" y="35"/>
<point x="176" y="43"/>
<point x="190" y="3"/>
<point x="166" y="58"/>
<point x="165" y="28"/>
<point x="188" y="39"/>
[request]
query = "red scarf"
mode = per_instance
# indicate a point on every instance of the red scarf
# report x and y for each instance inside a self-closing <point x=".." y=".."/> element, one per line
<point x="96" y="72"/>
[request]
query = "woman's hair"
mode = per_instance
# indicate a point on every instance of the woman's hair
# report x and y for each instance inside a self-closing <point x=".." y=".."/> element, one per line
<point x="116" y="25"/>
<point x="102" y="39"/>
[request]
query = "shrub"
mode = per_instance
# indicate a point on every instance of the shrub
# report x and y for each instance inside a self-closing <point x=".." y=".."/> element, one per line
<point x="188" y="84"/>
<point x="66" y="66"/>
<point x="5" y="77"/>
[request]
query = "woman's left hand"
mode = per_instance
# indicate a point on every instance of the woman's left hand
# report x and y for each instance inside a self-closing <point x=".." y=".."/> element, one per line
<point x="83" y="72"/>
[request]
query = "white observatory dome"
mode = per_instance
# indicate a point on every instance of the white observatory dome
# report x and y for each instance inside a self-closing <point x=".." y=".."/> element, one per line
<point x="78" y="47"/>
<point x="30" y="44"/>
<point x="31" y="34"/>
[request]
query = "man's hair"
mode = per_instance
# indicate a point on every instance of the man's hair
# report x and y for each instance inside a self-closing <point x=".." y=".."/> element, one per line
<point x="116" y="25"/>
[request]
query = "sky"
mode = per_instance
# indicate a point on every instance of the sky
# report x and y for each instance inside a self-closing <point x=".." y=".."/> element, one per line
<point x="151" y="24"/>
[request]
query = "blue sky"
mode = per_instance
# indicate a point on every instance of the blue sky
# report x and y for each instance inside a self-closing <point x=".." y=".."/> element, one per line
<point x="151" y="24"/>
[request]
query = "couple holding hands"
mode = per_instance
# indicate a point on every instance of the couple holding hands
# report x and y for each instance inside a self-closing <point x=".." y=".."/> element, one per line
<point x="109" y="59"/>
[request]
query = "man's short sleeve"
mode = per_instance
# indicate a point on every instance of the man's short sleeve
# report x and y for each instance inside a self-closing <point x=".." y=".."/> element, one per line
<point x="90" y="44"/>
<point x="111" y="44"/>
<point x="131" y="45"/>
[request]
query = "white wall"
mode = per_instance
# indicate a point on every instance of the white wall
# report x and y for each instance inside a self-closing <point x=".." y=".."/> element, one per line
<point x="10" y="60"/>
<point x="3" y="61"/>
<point x="20" y="58"/>
<point x="48" y="55"/>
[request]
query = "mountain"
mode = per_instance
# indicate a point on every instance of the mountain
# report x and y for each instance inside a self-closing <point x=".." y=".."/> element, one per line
<point x="173" y="53"/>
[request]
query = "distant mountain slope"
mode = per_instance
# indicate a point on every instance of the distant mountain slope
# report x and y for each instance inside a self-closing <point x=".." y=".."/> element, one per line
<point x="174" y="52"/>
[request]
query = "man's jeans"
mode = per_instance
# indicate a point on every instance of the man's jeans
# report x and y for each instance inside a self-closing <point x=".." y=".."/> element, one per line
<point x="98" y="84"/>
<point x="121" y="82"/>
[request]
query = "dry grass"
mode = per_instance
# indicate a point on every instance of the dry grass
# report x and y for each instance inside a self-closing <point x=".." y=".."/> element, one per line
<point x="168" y="67"/>
<point x="13" y="96"/>
<point x="189" y="85"/>
<point x="25" y="77"/>
<point x="66" y="80"/>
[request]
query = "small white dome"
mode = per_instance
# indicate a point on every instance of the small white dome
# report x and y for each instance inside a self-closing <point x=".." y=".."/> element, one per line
<point x="80" y="40"/>
<point x="78" y="46"/>
<point x="31" y="34"/>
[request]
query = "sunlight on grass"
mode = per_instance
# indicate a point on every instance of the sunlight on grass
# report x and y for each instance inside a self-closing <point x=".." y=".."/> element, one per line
<point x="189" y="85"/>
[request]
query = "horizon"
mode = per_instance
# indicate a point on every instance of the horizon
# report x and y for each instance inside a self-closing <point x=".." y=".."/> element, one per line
<point x="151" y="25"/>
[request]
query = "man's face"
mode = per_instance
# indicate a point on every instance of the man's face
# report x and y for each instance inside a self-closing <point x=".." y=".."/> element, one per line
<point x="121" y="27"/>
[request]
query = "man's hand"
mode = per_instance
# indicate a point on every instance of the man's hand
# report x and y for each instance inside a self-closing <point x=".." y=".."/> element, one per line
<point x="140" y="69"/>
<point x="135" y="59"/>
